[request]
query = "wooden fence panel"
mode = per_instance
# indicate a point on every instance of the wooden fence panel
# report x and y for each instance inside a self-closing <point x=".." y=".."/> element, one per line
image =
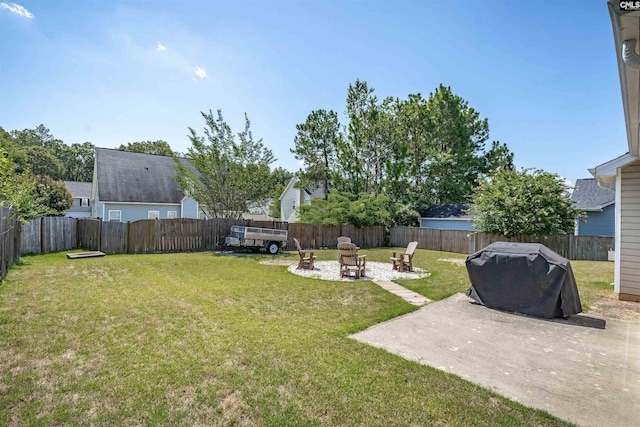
<point x="58" y="234"/>
<point x="589" y="248"/>
<point x="179" y="235"/>
<point x="303" y="233"/>
<point x="595" y="248"/>
<point x="31" y="238"/>
<point x="113" y="237"/>
<point x="89" y="233"/>
<point x="9" y="240"/>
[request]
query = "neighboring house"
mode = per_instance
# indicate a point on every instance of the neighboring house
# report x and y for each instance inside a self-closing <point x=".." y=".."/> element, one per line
<point x="447" y="217"/>
<point x="81" y="193"/>
<point x="259" y="213"/>
<point x="131" y="186"/>
<point x="624" y="171"/>
<point x="292" y="198"/>
<point x="598" y="203"/>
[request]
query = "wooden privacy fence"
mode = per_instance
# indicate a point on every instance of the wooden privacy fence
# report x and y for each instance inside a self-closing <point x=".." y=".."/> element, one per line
<point x="175" y="235"/>
<point x="184" y="235"/>
<point x="49" y="234"/>
<point x="590" y="248"/>
<point x="326" y="236"/>
<point x="9" y="240"/>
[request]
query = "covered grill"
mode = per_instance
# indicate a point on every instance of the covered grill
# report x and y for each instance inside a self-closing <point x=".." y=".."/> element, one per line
<point x="526" y="278"/>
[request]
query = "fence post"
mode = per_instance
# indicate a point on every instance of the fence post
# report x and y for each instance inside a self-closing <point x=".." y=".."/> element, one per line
<point x="471" y="237"/>
<point x="570" y="246"/>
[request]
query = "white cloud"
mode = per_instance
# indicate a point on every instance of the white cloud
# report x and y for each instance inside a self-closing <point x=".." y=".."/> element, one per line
<point x="160" y="47"/>
<point x="201" y="72"/>
<point x="17" y="9"/>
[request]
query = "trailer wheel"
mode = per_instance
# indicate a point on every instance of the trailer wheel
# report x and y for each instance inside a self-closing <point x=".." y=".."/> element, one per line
<point x="273" y="248"/>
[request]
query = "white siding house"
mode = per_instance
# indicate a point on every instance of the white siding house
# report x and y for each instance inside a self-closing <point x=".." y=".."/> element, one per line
<point x="292" y="197"/>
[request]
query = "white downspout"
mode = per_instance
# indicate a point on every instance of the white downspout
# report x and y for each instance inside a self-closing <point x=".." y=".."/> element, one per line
<point x="629" y="55"/>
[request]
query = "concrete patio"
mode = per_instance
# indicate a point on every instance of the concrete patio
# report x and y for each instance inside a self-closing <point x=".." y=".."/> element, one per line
<point x="585" y="369"/>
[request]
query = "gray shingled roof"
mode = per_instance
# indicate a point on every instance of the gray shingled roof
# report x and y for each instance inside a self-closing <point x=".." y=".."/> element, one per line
<point x="588" y="195"/>
<point x="446" y="211"/>
<point x="79" y="190"/>
<point x="125" y="176"/>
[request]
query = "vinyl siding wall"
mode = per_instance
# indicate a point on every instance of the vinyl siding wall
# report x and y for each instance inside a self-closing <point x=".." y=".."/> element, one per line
<point x="77" y="211"/>
<point x="132" y="212"/>
<point x="287" y="209"/>
<point x="447" y="224"/>
<point x="630" y="233"/>
<point x="190" y="208"/>
<point x="598" y="223"/>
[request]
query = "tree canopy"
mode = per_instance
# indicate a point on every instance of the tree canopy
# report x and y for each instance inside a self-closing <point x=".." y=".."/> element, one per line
<point x="414" y="151"/>
<point x="159" y="147"/>
<point x="532" y="202"/>
<point x="47" y="155"/>
<point x="232" y="170"/>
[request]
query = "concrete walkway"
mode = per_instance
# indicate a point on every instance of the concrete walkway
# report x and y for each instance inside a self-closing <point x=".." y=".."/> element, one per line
<point x="585" y="369"/>
<point x="404" y="293"/>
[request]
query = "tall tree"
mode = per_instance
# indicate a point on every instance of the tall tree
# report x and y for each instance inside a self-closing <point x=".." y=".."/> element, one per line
<point x="49" y="156"/>
<point x="231" y="169"/>
<point x="457" y="136"/>
<point x="532" y="202"/>
<point x="159" y="147"/>
<point x="43" y="162"/>
<point x="78" y="160"/>
<point x="316" y="145"/>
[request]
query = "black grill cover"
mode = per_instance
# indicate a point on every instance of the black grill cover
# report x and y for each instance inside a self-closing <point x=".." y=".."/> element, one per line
<point x="526" y="278"/>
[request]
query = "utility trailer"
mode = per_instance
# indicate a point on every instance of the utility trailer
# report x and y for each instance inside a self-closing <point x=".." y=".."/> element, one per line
<point x="268" y="239"/>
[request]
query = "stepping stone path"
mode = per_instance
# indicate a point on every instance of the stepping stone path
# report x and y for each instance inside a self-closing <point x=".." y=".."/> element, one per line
<point x="404" y="293"/>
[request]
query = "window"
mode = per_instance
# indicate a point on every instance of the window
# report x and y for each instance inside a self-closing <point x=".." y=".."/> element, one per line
<point x="115" y="216"/>
<point x="172" y="214"/>
<point x="154" y="215"/>
<point x="84" y="203"/>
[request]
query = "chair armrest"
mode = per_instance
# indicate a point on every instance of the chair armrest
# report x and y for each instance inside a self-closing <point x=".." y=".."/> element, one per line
<point x="393" y="254"/>
<point x="361" y="256"/>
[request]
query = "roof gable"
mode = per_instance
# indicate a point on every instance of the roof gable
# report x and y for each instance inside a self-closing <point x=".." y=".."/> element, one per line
<point x="125" y="176"/>
<point x="589" y="195"/>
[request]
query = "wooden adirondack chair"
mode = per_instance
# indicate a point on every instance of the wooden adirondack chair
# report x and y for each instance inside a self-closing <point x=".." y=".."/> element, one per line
<point x="351" y="264"/>
<point x="307" y="257"/>
<point x="404" y="260"/>
<point x="344" y="239"/>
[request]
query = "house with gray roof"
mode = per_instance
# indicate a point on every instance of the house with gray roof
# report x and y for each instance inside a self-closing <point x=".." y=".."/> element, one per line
<point x="131" y="186"/>
<point x="81" y="193"/>
<point x="447" y="217"/>
<point x="598" y="204"/>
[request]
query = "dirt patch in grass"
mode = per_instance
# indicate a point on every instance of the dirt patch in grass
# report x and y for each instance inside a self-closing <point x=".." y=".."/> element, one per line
<point x="285" y="262"/>
<point x="454" y="261"/>
<point x="616" y="309"/>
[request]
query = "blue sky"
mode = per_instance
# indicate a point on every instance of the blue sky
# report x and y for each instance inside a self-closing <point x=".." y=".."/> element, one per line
<point x="543" y="72"/>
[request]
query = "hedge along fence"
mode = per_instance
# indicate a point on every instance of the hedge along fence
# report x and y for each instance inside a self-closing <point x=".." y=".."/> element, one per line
<point x="589" y="248"/>
<point x="9" y="240"/>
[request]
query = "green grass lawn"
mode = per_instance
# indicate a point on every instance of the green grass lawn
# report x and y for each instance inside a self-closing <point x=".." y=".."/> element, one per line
<point x="200" y="339"/>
